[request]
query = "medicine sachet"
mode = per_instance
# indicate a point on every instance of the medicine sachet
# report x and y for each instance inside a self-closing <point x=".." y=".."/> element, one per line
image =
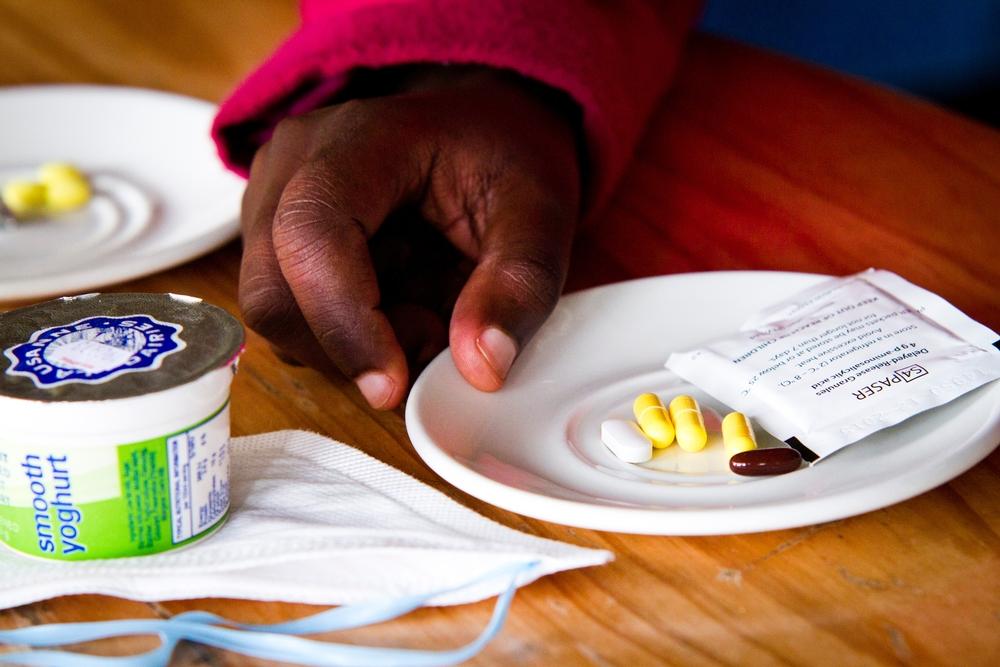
<point x="844" y="359"/>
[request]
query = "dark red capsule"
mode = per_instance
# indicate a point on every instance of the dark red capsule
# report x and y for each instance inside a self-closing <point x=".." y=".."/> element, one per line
<point x="772" y="461"/>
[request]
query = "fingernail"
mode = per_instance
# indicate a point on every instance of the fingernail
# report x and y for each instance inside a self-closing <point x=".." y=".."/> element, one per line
<point x="498" y="349"/>
<point x="376" y="387"/>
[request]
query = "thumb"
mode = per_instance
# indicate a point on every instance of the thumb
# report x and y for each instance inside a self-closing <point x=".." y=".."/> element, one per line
<point x="515" y="286"/>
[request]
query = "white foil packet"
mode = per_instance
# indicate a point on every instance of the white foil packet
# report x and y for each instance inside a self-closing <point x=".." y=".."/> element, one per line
<point x="844" y="359"/>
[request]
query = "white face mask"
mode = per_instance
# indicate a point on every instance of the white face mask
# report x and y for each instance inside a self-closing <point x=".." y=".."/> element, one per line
<point x="318" y="522"/>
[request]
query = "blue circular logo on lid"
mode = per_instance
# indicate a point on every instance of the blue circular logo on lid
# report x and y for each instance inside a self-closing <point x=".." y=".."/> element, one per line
<point x="94" y="350"/>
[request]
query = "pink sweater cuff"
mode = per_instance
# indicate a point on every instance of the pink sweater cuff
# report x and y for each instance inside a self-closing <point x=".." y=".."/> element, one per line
<point x="615" y="59"/>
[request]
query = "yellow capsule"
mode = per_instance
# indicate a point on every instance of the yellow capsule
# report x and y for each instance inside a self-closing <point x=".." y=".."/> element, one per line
<point x="23" y="198"/>
<point x="51" y="172"/>
<point x="653" y="419"/>
<point x="66" y="188"/>
<point x="66" y="194"/>
<point x="689" y="424"/>
<point x="737" y="434"/>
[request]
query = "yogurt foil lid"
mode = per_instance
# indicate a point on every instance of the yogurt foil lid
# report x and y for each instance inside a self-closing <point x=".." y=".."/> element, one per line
<point x="109" y="346"/>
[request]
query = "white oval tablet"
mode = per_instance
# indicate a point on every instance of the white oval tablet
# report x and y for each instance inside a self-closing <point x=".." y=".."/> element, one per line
<point x="626" y="440"/>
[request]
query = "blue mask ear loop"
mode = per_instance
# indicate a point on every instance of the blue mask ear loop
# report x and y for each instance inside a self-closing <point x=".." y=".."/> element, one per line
<point x="264" y="641"/>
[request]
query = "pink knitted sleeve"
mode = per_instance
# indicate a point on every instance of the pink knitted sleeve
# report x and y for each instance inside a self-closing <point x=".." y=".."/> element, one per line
<point x="615" y="58"/>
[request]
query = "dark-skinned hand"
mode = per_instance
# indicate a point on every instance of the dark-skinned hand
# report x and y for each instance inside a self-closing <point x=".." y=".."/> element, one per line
<point x="479" y="155"/>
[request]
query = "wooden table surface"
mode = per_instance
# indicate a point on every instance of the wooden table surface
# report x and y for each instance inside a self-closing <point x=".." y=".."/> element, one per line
<point x="758" y="162"/>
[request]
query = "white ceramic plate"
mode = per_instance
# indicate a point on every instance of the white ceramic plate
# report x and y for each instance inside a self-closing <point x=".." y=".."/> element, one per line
<point x="534" y="447"/>
<point x="161" y="195"/>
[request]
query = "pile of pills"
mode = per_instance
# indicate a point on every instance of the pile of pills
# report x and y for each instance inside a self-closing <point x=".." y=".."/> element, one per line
<point x="658" y="426"/>
<point x="59" y="187"/>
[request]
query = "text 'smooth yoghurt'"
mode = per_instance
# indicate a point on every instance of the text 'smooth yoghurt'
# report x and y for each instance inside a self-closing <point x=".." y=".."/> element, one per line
<point x="114" y="424"/>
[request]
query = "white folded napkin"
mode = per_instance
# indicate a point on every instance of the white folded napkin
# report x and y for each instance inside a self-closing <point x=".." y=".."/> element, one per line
<point x="314" y="521"/>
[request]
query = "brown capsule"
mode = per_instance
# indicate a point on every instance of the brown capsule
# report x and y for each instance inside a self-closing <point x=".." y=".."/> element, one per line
<point x="772" y="461"/>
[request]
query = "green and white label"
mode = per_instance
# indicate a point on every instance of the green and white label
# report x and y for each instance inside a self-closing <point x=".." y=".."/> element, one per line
<point x="80" y="503"/>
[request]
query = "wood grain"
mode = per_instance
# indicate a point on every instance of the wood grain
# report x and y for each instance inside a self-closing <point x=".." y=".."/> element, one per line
<point x="753" y="161"/>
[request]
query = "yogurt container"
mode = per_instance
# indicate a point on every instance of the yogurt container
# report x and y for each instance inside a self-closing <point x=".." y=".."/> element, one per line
<point x="114" y="424"/>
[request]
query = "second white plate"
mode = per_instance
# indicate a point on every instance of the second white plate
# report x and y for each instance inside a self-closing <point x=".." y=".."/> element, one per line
<point x="162" y="196"/>
<point x="534" y="447"/>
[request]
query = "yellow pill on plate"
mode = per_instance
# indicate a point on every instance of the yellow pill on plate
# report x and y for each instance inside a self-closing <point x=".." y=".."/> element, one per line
<point x="24" y="198"/>
<point x="66" y="194"/>
<point x="653" y="419"/>
<point x="59" y="171"/>
<point x="737" y="434"/>
<point x="66" y="188"/>
<point x="688" y="423"/>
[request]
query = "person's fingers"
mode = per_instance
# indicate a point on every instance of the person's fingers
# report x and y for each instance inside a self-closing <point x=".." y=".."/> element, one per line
<point x="321" y="227"/>
<point x="265" y="299"/>
<point x="420" y="276"/>
<point x="516" y="284"/>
